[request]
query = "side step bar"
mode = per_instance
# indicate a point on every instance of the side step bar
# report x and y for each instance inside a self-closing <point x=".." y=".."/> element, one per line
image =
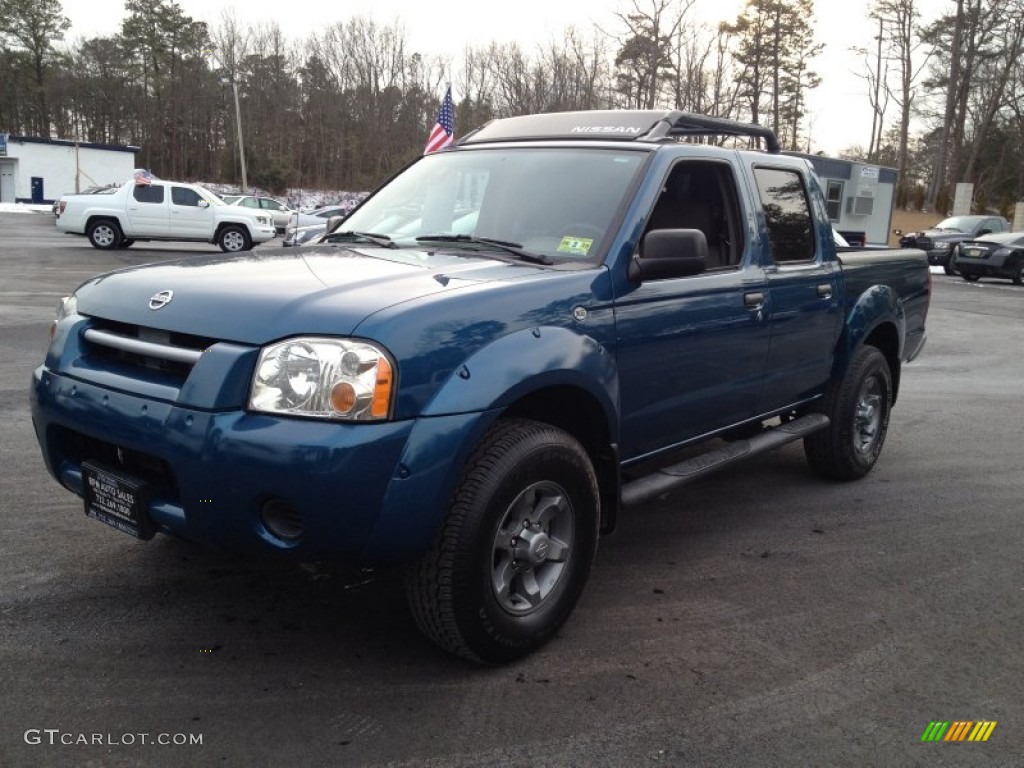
<point x="669" y="478"/>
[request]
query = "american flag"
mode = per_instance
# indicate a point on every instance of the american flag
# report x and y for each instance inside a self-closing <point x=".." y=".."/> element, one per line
<point x="443" y="133"/>
<point x="143" y="176"/>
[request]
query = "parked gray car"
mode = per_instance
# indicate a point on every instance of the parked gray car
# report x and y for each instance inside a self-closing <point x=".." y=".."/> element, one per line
<point x="939" y="241"/>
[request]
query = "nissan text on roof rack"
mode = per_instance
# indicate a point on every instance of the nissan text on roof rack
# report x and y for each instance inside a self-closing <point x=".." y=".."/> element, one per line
<point x="504" y="348"/>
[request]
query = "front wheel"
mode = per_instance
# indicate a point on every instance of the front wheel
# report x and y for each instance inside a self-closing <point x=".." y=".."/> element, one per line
<point x="969" y="277"/>
<point x="234" y="239"/>
<point x="104" y="234"/>
<point x="858" y="406"/>
<point x="1018" y="279"/>
<point x="515" y="550"/>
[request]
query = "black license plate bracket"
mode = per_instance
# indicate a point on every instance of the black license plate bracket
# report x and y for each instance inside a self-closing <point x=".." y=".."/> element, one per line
<point x="117" y="499"/>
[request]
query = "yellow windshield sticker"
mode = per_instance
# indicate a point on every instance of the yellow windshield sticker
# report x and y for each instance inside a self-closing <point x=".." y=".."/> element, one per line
<point x="578" y="246"/>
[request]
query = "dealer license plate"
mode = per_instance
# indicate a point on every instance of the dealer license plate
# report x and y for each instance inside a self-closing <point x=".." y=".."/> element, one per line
<point x="117" y="499"/>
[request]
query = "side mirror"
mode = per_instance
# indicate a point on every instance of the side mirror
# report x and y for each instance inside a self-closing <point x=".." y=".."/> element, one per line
<point x="333" y="222"/>
<point x="666" y="253"/>
<point x="203" y="203"/>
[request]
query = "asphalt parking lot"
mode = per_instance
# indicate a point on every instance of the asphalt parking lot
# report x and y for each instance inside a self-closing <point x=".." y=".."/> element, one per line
<point x="759" y="617"/>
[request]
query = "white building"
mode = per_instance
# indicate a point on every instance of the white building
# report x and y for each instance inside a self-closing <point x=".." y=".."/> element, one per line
<point x="859" y="197"/>
<point x="41" y="170"/>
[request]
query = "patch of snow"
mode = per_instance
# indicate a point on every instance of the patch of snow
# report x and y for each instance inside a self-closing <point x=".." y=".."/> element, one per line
<point x="24" y="208"/>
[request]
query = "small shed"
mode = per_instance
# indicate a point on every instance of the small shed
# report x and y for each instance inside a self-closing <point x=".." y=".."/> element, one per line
<point x="859" y="197"/>
<point x="34" y="170"/>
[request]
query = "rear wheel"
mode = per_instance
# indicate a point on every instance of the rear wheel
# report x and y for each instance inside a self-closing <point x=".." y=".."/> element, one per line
<point x="515" y="550"/>
<point x="858" y="406"/>
<point x="233" y="239"/>
<point x="1018" y="279"/>
<point x="126" y="242"/>
<point x="104" y="234"/>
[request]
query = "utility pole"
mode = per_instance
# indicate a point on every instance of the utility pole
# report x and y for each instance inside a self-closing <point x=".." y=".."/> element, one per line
<point x="241" y="145"/>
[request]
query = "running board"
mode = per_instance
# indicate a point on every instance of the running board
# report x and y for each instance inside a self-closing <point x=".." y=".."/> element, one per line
<point x="669" y="478"/>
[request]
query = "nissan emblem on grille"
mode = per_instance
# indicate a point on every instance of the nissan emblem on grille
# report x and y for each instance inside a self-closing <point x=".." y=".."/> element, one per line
<point x="161" y="300"/>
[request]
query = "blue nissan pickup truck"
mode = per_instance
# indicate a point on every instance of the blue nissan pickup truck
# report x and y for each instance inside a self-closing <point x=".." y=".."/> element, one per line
<point x="506" y="345"/>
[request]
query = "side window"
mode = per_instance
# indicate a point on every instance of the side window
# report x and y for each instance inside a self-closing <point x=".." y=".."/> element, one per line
<point x="701" y="195"/>
<point x="148" y="193"/>
<point x="250" y="202"/>
<point x="271" y="204"/>
<point x="185" y="196"/>
<point x="787" y="214"/>
<point x="834" y="199"/>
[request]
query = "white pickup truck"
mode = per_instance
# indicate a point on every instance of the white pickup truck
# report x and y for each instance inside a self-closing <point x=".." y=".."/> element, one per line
<point x="162" y="210"/>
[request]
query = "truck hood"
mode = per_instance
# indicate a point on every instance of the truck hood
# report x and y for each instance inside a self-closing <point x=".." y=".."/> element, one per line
<point x="257" y="297"/>
<point x="941" y="235"/>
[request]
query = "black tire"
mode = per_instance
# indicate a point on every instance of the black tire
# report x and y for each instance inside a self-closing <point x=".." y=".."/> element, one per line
<point x="104" y="234"/>
<point x="233" y="239"/>
<point x="948" y="269"/>
<point x="858" y="406"/>
<point x="1018" y="279"/>
<point x="970" y="278"/>
<point x="126" y="242"/>
<point x="491" y="589"/>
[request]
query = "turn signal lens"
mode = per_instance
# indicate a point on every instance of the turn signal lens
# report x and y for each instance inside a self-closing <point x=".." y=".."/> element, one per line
<point x="382" y="390"/>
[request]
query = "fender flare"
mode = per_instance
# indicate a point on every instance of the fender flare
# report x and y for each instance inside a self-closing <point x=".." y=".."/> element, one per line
<point x="525" y="361"/>
<point x="877" y="306"/>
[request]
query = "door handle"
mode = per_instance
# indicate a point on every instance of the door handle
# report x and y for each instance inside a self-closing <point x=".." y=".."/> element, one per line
<point x="754" y="300"/>
<point x="825" y="290"/>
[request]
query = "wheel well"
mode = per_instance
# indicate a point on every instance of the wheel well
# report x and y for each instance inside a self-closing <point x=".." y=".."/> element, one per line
<point x="887" y="341"/>
<point x="94" y="218"/>
<point x="225" y="224"/>
<point x="580" y="414"/>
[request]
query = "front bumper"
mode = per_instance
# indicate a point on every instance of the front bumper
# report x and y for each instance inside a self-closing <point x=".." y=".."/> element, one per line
<point x="262" y="233"/>
<point x="939" y="258"/>
<point x="994" y="266"/>
<point x="367" y="494"/>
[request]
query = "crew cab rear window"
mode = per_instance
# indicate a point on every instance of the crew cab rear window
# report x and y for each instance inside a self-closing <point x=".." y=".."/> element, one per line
<point x="787" y="214"/>
<point x="149" y="193"/>
<point x="184" y="196"/>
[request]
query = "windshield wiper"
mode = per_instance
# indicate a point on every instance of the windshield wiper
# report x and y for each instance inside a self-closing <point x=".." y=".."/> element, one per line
<point x="503" y="245"/>
<point x="382" y="240"/>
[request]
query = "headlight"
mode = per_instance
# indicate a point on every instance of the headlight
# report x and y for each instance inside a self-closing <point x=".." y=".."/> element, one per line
<point x="66" y="307"/>
<point x="324" y="378"/>
<point x="1003" y="252"/>
<point x="943" y="246"/>
<point x="263" y="219"/>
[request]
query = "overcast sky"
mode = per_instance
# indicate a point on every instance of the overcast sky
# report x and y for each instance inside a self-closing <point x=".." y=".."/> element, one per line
<point x="839" y="113"/>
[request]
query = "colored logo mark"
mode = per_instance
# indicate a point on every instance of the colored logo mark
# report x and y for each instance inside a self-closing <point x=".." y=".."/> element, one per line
<point x="959" y="730"/>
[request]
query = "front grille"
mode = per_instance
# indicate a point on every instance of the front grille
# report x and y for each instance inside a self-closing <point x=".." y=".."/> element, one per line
<point x="146" y="350"/>
<point x="924" y="243"/>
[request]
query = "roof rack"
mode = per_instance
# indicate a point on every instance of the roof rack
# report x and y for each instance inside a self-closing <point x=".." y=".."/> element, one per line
<point x="688" y="124"/>
<point x="616" y="125"/>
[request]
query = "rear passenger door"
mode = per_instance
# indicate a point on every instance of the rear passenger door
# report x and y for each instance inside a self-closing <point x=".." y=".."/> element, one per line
<point x="802" y="298"/>
<point x="147" y="211"/>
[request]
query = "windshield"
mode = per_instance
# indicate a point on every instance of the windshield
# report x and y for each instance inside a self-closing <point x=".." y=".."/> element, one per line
<point x="553" y="202"/>
<point x="211" y="197"/>
<point x="957" y="223"/>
